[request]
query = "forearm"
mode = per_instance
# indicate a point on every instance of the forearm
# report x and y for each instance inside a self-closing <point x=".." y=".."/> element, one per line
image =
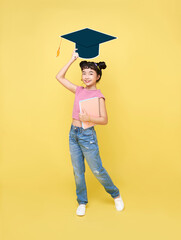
<point x="98" y="120"/>
<point x="62" y="72"/>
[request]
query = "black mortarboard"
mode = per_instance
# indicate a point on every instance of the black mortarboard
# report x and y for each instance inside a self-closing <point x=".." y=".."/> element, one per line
<point x="87" y="41"/>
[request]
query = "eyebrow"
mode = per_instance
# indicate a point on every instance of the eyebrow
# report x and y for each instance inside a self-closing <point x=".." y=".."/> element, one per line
<point x="89" y="71"/>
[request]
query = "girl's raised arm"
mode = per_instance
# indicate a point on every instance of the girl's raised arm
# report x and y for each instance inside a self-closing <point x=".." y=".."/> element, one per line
<point x="61" y="74"/>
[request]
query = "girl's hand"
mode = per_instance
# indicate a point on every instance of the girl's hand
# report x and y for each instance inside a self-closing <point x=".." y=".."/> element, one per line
<point x="84" y="117"/>
<point x="75" y="55"/>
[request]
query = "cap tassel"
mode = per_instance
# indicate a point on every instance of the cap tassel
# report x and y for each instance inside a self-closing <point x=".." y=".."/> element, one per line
<point x="58" y="51"/>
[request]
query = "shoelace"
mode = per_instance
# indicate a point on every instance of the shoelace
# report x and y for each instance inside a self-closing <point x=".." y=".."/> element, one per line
<point x="118" y="199"/>
<point x="81" y="206"/>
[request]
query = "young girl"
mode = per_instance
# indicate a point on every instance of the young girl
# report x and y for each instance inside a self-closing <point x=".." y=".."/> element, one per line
<point x="83" y="142"/>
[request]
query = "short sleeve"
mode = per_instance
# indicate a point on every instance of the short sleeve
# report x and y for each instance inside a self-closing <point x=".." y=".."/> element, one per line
<point x="101" y="96"/>
<point x="78" y="89"/>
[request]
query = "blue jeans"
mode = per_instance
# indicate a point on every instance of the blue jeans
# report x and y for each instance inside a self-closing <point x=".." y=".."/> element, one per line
<point x="83" y="144"/>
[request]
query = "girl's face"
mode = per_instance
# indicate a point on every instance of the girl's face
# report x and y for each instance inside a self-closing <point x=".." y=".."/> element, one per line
<point x="89" y="77"/>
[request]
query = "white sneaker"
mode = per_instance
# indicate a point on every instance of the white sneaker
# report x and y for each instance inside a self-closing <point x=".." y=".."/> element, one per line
<point x="119" y="204"/>
<point x="81" y="210"/>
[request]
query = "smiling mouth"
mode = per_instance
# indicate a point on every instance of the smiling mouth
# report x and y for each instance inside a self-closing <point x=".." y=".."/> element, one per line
<point x="87" y="81"/>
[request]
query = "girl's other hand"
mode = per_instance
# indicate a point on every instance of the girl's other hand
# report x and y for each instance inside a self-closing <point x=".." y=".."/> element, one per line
<point x="75" y="55"/>
<point x="84" y="116"/>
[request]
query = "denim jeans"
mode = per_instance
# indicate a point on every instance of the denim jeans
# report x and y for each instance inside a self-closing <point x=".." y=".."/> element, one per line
<point x="83" y="144"/>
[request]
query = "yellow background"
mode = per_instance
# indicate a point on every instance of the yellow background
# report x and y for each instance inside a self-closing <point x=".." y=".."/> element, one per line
<point x="140" y="146"/>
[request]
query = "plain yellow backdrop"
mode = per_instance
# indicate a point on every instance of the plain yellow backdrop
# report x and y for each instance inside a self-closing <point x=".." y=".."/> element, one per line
<point x="140" y="146"/>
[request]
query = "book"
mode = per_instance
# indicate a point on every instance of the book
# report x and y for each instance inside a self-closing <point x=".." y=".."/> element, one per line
<point x="92" y="108"/>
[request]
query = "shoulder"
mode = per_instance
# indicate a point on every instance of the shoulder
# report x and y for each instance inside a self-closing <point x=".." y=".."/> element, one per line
<point x="101" y="96"/>
<point x="78" y="89"/>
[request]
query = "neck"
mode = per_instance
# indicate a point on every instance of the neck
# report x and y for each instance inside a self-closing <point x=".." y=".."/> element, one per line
<point x="91" y="87"/>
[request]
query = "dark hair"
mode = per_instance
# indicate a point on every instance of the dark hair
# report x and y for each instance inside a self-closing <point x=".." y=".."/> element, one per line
<point x="95" y="66"/>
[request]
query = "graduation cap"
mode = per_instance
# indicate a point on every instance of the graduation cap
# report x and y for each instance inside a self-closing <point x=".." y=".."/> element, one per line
<point x="87" y="41"/>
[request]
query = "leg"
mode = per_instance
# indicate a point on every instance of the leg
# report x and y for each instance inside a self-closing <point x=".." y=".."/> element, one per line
<point x="90" y="149"/>
<point x="78" y="164"/>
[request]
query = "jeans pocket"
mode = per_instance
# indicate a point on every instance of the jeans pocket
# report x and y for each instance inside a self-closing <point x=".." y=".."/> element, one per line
<point x="94" y="136"/>
<point x="71" y="134"/>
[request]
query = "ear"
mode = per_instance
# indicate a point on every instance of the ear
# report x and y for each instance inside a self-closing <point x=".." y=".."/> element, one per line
<point x="98" y="76"/>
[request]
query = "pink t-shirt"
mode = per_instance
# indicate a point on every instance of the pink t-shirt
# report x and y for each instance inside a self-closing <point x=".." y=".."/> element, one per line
<point x="82" y="93"/>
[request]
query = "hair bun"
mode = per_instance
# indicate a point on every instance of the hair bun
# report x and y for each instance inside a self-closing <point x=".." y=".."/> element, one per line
<point x="102" y="65"/>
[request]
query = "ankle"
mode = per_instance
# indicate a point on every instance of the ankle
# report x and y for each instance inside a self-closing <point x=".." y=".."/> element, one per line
<point x="117" y="197"/>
